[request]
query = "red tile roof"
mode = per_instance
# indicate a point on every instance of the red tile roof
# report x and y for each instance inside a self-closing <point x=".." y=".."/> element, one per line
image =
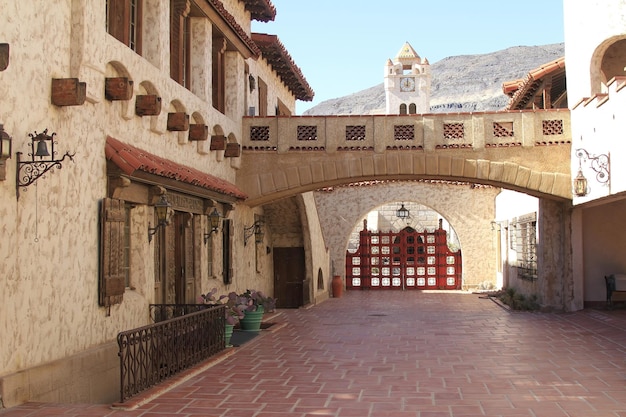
<point x="131" y="160"/>
<point x="522" y="90"/>
<point x="261" y="10"/>
<point x="279" y="59"/>
<point x="232" y="22"/>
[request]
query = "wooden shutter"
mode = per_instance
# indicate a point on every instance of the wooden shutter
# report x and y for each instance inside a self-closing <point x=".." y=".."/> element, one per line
<point x="112" y="274"/>
<point x="178" y="12"/>
<point x="118" y="24"/>
<point x="227" y="267"/>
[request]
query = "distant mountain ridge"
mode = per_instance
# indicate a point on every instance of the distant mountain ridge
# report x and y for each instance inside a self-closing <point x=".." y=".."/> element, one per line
<point x="463" y="83"/>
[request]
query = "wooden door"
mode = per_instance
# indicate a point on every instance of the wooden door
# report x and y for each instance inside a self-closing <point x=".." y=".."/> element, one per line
<point x="175" y="262"/>
<point x="289" y="270"/>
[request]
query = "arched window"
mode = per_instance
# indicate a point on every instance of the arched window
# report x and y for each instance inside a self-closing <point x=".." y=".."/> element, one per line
<point x="403" y="108"/>
<point x="412" y="108"/>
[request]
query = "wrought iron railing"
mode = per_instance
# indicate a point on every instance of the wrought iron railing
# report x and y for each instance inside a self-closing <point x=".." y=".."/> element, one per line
<point x="154" y="353"/>
<point x="161" y="312"/>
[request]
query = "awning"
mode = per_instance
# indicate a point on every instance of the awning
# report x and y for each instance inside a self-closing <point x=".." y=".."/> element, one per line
<point x="144" y="166"/>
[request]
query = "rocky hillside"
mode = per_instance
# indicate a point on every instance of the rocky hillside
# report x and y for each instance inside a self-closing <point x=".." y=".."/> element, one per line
<point x="462" y="83"/>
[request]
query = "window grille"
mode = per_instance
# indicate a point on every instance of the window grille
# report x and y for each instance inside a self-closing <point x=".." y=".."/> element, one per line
<point x="404" y="132"/>
<point x="453" y="131"/>
<point x="552" y="127"/>
<point x="355" y="132"/>
<point x="503" y="129"/>
<point x="307" y="132"/>
<point x="524" y="241"/>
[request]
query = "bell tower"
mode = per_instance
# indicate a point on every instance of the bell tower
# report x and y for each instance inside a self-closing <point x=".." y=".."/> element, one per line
<point x="407" y="83"/>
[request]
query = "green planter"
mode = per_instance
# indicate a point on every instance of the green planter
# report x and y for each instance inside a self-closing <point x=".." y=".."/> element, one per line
<point x="252" y="320"/>
<point x="228" y="334"/>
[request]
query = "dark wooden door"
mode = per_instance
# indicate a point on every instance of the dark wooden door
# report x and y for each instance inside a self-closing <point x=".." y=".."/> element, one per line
<point x="289" y="273"/>
<point x="174" y="261"/>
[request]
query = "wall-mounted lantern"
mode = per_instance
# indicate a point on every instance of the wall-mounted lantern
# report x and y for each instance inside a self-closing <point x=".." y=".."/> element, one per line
<point x="214" y="222"/>
<point x="256" y="230"/>
<point x="28" y="172"/>
<point x="162" y="209"/>
<point x="600" y="164"/>
<point x="5" y="151"/>
<point x="403" y="213"/>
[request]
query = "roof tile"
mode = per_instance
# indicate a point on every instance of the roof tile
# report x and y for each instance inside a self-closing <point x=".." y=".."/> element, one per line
<point x="131" y="159"/>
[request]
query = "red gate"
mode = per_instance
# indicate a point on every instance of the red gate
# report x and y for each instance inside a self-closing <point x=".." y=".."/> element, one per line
<point x="405" y="260"/>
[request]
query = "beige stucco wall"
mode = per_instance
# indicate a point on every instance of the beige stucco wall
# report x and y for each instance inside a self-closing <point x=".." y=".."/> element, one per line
<point x="468" y="210"/>
<point x="49" y="308"/>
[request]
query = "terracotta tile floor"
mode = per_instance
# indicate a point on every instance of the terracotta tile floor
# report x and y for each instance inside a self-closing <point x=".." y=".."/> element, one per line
<point x="405" y="354"/>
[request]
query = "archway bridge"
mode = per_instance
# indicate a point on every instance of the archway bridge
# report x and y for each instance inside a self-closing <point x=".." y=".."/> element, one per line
<point x="527" y="151"/>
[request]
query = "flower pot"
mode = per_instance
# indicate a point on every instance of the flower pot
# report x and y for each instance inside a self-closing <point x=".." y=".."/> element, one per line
<point x="228" y="333"/>
<point x="337" y="285"/>
<point x="251" y="322"/>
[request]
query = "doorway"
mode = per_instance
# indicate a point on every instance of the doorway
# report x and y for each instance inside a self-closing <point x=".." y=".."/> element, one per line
<point x="289" y="271"/>
<point x="175" y="280"/>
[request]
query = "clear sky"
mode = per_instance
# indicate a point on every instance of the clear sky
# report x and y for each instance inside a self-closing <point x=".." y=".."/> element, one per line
<point x="342" y="46"/>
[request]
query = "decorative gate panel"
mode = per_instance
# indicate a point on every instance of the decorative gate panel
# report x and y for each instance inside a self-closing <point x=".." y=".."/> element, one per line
<point x="405" y="260"/>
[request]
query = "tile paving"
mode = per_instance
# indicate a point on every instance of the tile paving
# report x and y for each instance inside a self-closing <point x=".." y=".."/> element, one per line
<point x="403" y="354"/>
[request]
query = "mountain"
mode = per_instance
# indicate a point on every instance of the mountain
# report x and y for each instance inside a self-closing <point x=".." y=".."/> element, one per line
<point x="463" y="83"/>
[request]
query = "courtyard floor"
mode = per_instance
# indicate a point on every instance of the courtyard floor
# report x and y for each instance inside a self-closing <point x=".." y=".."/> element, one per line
<point x="402" y="354"/>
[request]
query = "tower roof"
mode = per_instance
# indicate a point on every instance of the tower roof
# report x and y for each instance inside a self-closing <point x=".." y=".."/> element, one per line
<point x="407" y="54"/>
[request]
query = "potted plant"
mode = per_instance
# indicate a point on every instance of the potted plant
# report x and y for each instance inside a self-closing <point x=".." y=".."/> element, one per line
<point x="233" y="310"/>
<point x="254" y="304"/>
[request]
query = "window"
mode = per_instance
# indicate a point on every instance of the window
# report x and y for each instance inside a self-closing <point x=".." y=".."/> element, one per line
<point x="227" y="266"/>
<point x="126" y="262"/>
<point x="281" y="109"/>
<point x="219" y="72"/>
<point x="525" y="245"/>
<point x="209" y="245"/>
<point x="262" y="98"/>
<point x="123" y="22"/>
<point x="180" y="43"/>
<point x="403" y="108"/>
<point x="412" y="108"/>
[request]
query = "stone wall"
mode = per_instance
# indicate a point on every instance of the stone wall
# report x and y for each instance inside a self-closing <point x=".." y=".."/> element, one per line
<point x="468" y="209"/>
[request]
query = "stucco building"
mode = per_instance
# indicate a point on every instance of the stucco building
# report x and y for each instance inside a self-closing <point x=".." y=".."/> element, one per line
<point x="125" y="105"/>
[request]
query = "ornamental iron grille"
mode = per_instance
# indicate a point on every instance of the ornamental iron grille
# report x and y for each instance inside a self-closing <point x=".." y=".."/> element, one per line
<point x="407" y="260"/>
<point x="153" y="353"/>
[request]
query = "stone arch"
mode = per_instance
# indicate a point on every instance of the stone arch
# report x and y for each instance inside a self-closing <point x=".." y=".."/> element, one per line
<point x="344" y="208"/>
<point x="607" y="61"/>
<point x="291" y="174"/>
<point x="115" y="69"/>
<point x="203" y="146"/>
<point x="196" y="118"/>
<point x="235" y="162"/>
<point x="147" y="87"/>
<point x="177" y="106"/>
